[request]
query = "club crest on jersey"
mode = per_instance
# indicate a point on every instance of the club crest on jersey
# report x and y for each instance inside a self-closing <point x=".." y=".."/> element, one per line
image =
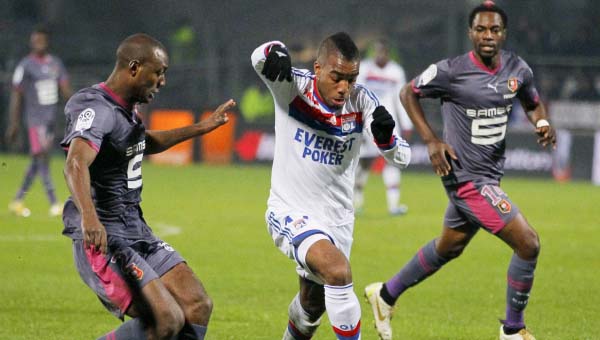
<point x="348" y="123"/>
<point x="85" y="119"/>
<point x="513" y="84"/>
<point x="135" y="272"/>
<point x="504" y="206"/>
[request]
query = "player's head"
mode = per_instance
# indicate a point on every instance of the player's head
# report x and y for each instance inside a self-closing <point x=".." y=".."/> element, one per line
<point x="336" y="68"/>
<point x="487" y="29"/>
<point x="39" y="40"/>
<point x="144" y="61"/>
<point x="382" y="52"/>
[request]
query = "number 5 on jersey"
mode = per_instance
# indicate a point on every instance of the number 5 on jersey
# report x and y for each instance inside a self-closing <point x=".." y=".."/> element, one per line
<point x="134" y="172"/>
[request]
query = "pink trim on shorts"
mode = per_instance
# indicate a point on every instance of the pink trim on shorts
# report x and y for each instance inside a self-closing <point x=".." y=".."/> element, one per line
<point x="34" y="141"/>
<point x="480" y="207"/>
<point x="115" y="287"/>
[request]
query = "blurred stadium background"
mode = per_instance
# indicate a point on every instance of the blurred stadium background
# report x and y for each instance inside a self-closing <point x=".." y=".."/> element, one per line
<point x="216" y="207"/>
<point x="210" y="43"/>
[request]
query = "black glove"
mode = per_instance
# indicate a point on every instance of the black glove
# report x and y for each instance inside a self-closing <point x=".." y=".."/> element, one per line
<point x="278" y="63"/>
<point x="382" y="126"/>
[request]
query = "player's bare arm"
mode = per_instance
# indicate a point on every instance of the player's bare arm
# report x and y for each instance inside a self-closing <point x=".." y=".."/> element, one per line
<point x="16" y="102"/>
<point x="161" y="140"/>
<point x="539" y="118"/>
<point x="77" y="175"/>
<point x="435" y="146"/>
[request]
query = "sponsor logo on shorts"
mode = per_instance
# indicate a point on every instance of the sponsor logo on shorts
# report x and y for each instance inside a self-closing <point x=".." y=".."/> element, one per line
<point x="135" y="272"/>
<point x="504" y="206"/>
<point x="166" y="246"/>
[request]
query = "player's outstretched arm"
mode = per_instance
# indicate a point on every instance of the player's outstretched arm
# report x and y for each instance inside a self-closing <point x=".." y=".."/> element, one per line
<point x="394" y="149"/>
<point x="14" y="116"/>
<point x="436" y="147"/>
<point x="77" y="175"/>
<point x="161" y="140"/>
<point x="539" y="118"/>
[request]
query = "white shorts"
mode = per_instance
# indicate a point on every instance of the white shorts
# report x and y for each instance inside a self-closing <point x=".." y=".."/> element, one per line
<point x="295" y="232"/>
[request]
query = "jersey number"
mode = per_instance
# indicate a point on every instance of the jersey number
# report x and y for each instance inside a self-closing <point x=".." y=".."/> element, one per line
<point x="482" y="133"/>
<point x="134" y="172"/>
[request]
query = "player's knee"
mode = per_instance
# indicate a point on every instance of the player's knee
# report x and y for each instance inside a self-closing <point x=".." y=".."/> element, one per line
<point x="169" y="323"/>
<point x="453" y="252"/>
<point x="531" y="246"/>
<point x="199" y="310"/>
<point x="338" y="275"/>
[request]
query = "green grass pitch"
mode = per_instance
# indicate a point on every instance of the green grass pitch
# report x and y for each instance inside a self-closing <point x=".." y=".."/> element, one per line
<point x="219" y="212"/>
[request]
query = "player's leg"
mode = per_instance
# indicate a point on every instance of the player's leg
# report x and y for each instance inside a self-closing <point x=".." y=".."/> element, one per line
<point x="331" y="266"/>
<point x="45" y="137"/>
<point x="361" y="176"/>
<point x="391" y="179"/>
<point x="456" y="235"/>
<point x="127" y="285"/>
<point x="523" y="239"/>
<point x="305" y="311"/>
<point x="17" y="206"/>
<point x="191" y="296"/>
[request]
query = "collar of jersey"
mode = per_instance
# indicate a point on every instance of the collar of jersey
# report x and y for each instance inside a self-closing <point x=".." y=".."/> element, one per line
<point x="482" y="66"/>
<point x="115" y="97"/>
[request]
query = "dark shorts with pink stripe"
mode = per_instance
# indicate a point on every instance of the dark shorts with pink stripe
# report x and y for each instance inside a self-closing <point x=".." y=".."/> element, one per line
<point x="479" y="203"/>
<point x="40" y="139"/>
<point x="127" y="267"/>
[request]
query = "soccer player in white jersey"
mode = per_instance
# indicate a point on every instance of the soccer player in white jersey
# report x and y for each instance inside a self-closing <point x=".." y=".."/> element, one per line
<point x="319" y="118"/>
<point x="385" y="78"/>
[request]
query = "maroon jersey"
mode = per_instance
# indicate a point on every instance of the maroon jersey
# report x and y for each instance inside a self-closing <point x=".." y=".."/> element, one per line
<point x="476" y="103"/>
<point x="117" y="134"/>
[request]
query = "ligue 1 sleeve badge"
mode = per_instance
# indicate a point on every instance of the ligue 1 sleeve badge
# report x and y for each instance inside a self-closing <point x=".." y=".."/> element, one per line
<point x="513" y="84"/>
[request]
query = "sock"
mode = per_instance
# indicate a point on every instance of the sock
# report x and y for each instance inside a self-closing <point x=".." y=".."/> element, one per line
<point x="424" y="263"/>
<point x="300" y="326"/>
<point x="29" y="176"/>
<point x="192" y="331"/>
<point x="520" y="281"/>
<point x="45" y="174"/>
<point x="132" y="329"/>
<point x="391" y="179"/>
<point x="343" y="310"/>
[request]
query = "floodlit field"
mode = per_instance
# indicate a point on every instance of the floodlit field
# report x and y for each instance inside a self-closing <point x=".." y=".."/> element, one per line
<point x="214" y="216"/>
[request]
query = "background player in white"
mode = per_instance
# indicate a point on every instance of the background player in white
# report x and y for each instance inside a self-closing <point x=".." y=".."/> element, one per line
<point x="385" y="78"/>
<point x="477" y="92"/>
<point x="319" y="120"/>
<point x="37" y="82"/>
<point x="132" y="271"/>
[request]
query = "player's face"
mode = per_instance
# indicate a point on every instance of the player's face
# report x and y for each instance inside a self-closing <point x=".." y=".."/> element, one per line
<point x="382" y="55"/>
<point x="38" y="42"/>
<point x="151" y="76"/>
<point x="487" y="34"/>
<point x="335" y="77"/>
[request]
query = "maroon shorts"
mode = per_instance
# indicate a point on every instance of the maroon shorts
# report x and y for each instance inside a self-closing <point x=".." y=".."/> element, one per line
<point x="40" y="139"/>
<point x="483" y="205"/>
<point x="128" y="266"/>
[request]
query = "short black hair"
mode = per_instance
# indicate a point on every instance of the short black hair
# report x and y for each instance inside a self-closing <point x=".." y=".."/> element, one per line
<point x="341" y="42"/>
<point x="488" y="6"/>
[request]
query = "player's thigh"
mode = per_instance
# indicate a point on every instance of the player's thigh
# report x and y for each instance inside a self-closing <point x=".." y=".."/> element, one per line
<point x="483" y="205"/>
<point x="521" y="237"/>
<point x="119" y="277"/>
<point x="184" y="285"/>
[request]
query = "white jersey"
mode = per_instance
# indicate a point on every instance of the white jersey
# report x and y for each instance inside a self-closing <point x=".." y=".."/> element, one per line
<point x="386" y="82"/>
<point x="316" y="147"/>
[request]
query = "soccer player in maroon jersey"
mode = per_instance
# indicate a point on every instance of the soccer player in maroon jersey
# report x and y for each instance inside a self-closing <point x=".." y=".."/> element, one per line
<point x="476" y="91"/>
<point x="132" y="271"/>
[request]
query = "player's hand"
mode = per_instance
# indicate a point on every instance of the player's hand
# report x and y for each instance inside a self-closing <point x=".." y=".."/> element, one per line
<point x="547" y="136"/>
<point x="382" y="126"/>
<point x="278" y="65"/>
<point x="94" y="235"/>
<point x="438" y="151"/>
<point x="219" y="116"/>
